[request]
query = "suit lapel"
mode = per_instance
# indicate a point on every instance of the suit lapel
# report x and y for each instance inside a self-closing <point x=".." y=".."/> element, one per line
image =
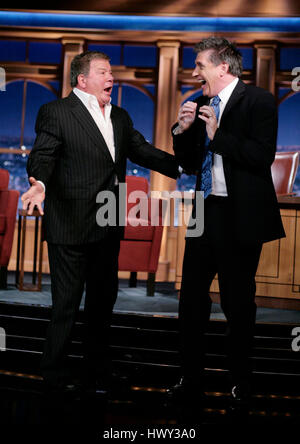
<point x="88" y="124"/>
<point x="236" y="95"/>
<point x="117" y="127"/>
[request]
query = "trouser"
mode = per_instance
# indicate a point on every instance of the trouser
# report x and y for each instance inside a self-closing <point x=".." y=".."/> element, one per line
<point x="217" y="252"/>
<point x="75" y="267"/>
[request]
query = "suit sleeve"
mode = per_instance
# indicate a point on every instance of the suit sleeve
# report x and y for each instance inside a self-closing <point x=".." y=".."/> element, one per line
<point x="256" y="147"/>
<point x="186" y="149"/>
<point x="143" y="153"/>
<point x="42" y="158"/>
<point x="188" y="146"/>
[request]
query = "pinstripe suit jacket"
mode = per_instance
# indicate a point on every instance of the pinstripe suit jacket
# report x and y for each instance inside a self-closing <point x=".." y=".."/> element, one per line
<point x="72" y="159"/>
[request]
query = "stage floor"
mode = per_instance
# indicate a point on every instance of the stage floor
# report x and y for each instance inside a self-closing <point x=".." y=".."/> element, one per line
<point x="135" y="300"/>
<point x="146" y="358"/>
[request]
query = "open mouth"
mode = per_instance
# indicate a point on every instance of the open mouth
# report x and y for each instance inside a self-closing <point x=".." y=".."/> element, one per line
<point x="108" y="89"/>
<point x="202" y="82"/>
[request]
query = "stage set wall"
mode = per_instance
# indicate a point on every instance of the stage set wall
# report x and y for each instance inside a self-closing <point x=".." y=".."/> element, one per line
<point x="170" y="83"/>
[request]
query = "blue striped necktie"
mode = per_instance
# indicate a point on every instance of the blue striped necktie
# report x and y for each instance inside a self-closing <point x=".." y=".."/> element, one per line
<point x="206" y="180"/>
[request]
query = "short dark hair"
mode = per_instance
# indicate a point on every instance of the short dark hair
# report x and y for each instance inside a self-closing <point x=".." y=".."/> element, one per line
<point x="222" y="51"/>
<point x="81" y="64"/>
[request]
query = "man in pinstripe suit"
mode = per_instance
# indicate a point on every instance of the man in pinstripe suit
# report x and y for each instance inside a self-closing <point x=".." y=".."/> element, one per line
<point x="81" y="148"/>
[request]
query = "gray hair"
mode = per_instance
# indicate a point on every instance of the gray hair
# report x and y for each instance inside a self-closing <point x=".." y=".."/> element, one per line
<point x="222" y="51"/>
<point x="81" y="64"/>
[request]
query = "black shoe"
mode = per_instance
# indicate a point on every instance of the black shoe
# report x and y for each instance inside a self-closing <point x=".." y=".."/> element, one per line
<point x="188" y="399"/>
<point x="239" y="400"/>
<point x="186" y="389"/>
<point x="104" y="384"/>
<point x="96" y="387"/>
<point x="67" y="390"/>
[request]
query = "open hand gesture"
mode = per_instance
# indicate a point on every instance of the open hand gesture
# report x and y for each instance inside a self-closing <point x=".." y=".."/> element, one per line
<point x="33" y="197"/>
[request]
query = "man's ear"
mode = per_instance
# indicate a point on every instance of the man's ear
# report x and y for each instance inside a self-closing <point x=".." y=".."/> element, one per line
<point x="224" y="68"/>
<point x="81" y="80"/>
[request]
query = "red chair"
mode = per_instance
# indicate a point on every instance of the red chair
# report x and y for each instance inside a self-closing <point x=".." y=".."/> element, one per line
<point x="284" y="170"/>
<point x="139" y="251"/>
<point x="8" y="212"/>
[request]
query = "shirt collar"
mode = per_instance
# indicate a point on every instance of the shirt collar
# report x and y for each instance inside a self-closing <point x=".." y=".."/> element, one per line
<point x="227" y="91"/>
<point x="89" y="99"/>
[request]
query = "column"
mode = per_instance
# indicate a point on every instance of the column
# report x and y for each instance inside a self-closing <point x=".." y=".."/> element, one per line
<point x="166" y="108"/>
<point x="266" y="66"/>
<point x="71" y="49"/>
<point x="166" y="116"/>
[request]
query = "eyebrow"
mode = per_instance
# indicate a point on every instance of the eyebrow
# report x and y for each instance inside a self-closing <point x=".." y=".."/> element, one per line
<point x="104" y="69"/>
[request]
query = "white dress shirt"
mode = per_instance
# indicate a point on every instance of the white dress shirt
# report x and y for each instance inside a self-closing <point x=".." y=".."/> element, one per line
<point x="103" y="122"/>
<point x="217" y="172"/>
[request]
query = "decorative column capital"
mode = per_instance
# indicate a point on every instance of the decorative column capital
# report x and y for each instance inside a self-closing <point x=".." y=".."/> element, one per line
<point x="168" y="43"/>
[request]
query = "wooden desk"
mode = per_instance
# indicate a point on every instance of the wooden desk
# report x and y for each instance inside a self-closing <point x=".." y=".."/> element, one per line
<point x="278" y="274"/>
<point x="38" y="251"/>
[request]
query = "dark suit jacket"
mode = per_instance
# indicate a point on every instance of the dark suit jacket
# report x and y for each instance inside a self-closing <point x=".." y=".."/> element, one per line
<point x="246" y="139"/>
<point x="72" y="159"/>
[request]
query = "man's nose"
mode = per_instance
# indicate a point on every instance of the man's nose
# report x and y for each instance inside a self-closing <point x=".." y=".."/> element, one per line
<point x="195" y="73"/>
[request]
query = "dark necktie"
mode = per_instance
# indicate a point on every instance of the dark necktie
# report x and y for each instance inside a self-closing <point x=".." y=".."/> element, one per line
<point x="206" y="180"/>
